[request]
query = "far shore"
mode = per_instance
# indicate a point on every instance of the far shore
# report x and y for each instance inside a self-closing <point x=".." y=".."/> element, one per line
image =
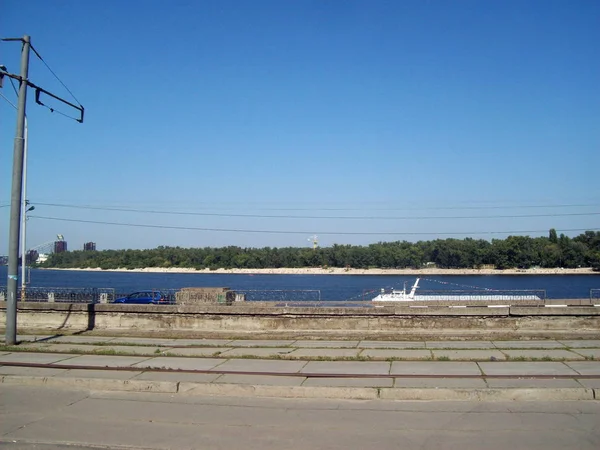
<point x="342" y="271"/>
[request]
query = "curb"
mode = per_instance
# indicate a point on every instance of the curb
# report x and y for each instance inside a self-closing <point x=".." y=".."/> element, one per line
<point x="340" y="393"/>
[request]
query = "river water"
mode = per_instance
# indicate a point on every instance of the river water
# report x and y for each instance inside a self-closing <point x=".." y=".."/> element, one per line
<point x="326" y="287"/>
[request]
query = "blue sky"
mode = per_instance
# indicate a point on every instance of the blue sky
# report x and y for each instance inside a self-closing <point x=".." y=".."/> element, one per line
<point x="408" y="110"/>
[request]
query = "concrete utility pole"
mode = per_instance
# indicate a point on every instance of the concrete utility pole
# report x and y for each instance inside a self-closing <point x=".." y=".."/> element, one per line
<point x="15" y="200"/>
<point x="17" y="177"/>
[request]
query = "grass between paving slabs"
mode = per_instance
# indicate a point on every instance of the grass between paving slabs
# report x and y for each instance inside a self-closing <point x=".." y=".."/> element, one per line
<point x="113" y="352"/>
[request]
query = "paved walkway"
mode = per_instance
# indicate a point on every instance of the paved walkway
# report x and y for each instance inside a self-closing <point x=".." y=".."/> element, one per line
<point x="367" y="350"/>
<point x="47" y="418"/>
<point x="310" y="368"/>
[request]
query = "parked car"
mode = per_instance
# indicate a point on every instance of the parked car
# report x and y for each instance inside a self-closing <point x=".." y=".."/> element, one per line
<point x="144" y="298"/>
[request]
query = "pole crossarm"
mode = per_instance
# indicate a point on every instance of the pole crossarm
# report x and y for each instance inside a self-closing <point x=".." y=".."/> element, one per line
<point x="40" y="90"/>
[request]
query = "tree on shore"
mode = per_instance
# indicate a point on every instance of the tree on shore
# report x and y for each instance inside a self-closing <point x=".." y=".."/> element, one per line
<point x="512" y="252"/>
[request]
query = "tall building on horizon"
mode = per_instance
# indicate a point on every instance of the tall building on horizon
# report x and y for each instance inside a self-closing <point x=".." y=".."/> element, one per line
<point x="89" y="246"/>
<point x="60" y="246"/>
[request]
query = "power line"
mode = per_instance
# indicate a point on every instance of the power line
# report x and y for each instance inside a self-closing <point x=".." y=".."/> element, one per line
<point x="55" y="76"/>
<point x="12" y="83"/>
<point x="7" y="100"/>
<point x="431" y="208"/>
<point x="354" y="233"/>
<point x="282" y="216"/>
<point x="52" y="110"/>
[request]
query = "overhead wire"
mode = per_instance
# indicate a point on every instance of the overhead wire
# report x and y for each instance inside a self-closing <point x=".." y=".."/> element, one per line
<point x="408" y="208"/>
<point x="53" y="110"/>
<point x="346" y="233"/>
<point x="53" y="73"/>
<point x="7" y="100"/>
<point x="285" y="216"/>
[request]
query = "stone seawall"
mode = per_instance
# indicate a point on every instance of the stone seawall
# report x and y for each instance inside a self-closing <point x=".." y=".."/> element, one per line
<point x="387" y="322"/>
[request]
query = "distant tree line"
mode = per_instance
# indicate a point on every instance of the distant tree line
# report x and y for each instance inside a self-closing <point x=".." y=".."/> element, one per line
<point x="513" y="252"/>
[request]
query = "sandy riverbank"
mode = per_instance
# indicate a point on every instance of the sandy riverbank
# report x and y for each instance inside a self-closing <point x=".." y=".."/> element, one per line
<point x="341" y="271"/>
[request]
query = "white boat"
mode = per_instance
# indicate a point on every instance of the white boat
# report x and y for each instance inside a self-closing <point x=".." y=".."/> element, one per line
<point x="412" y="296"/>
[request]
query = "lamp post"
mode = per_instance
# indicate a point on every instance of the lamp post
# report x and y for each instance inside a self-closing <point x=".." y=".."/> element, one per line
<point x="26" y="209"/>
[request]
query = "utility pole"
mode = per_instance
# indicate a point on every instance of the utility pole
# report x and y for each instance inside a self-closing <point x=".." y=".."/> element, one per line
<point x="15" y="200"/>
<point x="17" y="177"/>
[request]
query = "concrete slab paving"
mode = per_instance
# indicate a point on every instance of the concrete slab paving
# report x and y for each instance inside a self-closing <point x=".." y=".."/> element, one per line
<point x="388" y="354"/>
<point x="593" y="383"/>
<point x="80" y="339"/>
<point x="434" y="368"/>
<point x="458" y="344"/>
<point x="203" y="342"/>
<point x="350" y="382"/>
<point x="177" y="377"/>
<point x="261" y="342"/>
<point x="526" y="368"/>
<point x="173" y="362"/>
<point x="262" y="365"/>
<point x="61" y="348"/>
<point x="104" y="360"/>
<point x="588" y="352"/>
<point x="106" y="374"/>
<point x="197" y="351"/>
<point x="325" y="344"/>
<point x="33" y="337"/>
<point x="259" y="380"/>
<point x="543" y="354"/>
<point x="446" y="383"/>
<point x="38" y="358"/>
<point x="528" y="344"/>
<point x="585" y="367"/>
<point x="469" y="355"/>
<point x="131" y="349"/>
<point x="142" y="341"/>
<point x="391" y="344"/>
<point x="259" y="352"/>
<point x="30" y="371"/>
<point x="583" y="343"/>
<point x="531" y="383"/>
<point x="308" y="353"/>
<point x="347" y="367"/>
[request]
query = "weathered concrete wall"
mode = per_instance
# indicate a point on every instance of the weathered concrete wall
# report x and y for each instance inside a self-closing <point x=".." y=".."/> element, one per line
<point x="386" y="322"/>
<point x="199" y="296"/>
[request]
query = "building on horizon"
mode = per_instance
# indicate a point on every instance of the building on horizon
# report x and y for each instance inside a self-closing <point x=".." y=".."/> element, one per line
<point x="60" y="246"/>
<point x="89" y="247"/>
<point x="31" y="257"/>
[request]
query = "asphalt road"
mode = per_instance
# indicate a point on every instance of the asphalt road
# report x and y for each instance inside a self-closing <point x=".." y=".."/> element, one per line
<point x="46" y="418"/>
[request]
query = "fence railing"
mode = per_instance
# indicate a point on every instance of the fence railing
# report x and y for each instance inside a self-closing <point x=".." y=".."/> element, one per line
<point x="63" y="294"/>
<point x="280" y="295"/>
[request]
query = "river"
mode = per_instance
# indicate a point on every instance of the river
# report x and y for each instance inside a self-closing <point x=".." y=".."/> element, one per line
<point x="327" y="287"/>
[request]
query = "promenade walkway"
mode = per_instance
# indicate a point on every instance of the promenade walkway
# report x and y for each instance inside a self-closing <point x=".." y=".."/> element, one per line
<point x="416" y="370"/>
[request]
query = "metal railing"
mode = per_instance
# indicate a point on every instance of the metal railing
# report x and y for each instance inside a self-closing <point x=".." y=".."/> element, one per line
<point x="63" y="294"/>
<point x="280" y="295"/>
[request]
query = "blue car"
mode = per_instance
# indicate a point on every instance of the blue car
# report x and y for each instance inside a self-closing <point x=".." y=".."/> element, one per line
<point x="143" y="298"/>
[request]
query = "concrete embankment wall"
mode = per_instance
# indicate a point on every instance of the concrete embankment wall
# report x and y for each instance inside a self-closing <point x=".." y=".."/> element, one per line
<point x="388" y="322"/>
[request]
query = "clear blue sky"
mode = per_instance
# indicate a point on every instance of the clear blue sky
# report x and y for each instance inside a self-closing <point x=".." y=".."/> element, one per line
<point x="296" y="107"/>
